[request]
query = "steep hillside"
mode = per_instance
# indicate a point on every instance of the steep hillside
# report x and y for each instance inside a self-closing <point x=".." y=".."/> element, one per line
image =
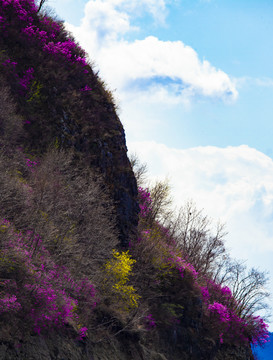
<point x="92" y="266"/>
<point x="62" y="101"/>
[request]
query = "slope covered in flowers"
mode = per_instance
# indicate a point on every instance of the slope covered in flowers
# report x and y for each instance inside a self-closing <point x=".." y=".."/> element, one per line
<point x="46" y="295"/>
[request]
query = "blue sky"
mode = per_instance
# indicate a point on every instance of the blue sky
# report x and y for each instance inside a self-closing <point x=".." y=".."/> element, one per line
<point x="194" y="83"/>
<point x="234" y="36"/>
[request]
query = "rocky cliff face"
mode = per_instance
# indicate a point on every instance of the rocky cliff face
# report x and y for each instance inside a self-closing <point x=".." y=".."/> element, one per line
<point x="63" y="102"/>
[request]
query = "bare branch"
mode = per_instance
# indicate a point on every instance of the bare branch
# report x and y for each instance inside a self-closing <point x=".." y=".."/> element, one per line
<point x="41" y="5"/>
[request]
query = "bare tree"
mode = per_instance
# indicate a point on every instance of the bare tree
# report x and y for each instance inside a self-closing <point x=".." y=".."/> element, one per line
<point x="249" y="289"/>
<point x="139" y="169"/>
<point x="161" y="202"/>
<point x="161" y="207"/>
<point x="222" y="272"/>
<point x="248" y="286"/>
<point x="192" y="232"/>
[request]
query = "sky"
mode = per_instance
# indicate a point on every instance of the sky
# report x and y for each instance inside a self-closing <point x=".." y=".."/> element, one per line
<point x="193" y="80"/>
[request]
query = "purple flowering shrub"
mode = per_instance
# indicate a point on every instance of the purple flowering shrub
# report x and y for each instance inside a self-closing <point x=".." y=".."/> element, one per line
<point x="26" y="80"/>
<point x="221" y="311"/>
<point x="149" y="322"/>
<point x="219" y="307"/>
<point x="30" y="163"/>
<point x="44" y="30"/>
<point x="9" y="304"/>
<point x="43" y="294"/>
<point x="46" y="48"/>
<point x="82" y="332"/>
<point x="182" y="265"/>
<point x="145" y="202"/>
<point x="214" y="292"/>
<point x="24" y="9"/>
<point x="50" y="79"/>
<point x="232" y="328"/>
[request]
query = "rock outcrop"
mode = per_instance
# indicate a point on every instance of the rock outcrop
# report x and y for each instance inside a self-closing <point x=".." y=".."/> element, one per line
<point x="62" y="101"/>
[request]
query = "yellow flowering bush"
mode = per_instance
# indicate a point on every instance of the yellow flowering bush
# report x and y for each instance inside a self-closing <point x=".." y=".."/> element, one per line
<point x="118" y="270"/>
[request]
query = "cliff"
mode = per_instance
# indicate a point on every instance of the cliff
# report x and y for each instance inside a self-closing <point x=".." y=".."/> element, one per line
<point x="61" y="99"/>
<point x="84" y="272"/>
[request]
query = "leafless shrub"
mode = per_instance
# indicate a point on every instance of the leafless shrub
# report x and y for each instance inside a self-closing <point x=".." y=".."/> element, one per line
<point x="161" y="202"/>
<point x="248" y="286"/>
<point x="63" y="203"/>
<point x="139" y="169"/>
<point x="71" y="206"/>
<point x="192" y="232"/>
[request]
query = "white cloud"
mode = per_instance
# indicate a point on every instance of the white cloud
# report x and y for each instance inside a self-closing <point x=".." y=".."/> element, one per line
<point x="163" y="63"/>
<point x="264" y="82"/>
<point x="252" y="81"/>
<point x="233" y="184"/>
<point x="140" y="66"/>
